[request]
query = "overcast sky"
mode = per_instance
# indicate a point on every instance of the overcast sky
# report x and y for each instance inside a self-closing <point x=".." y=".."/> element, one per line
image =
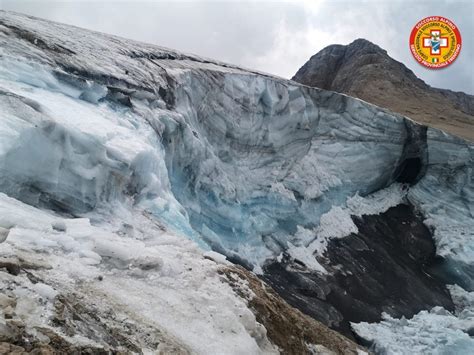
<point x="275" y="37"/>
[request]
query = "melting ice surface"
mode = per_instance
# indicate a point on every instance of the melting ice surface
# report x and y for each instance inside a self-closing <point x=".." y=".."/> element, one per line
<point x="244" y="163"/>
<point x="242" y="189"/>
<point x="241" y="169"/>
<point x="70" y="155"/>
<point x="435" y="332"/>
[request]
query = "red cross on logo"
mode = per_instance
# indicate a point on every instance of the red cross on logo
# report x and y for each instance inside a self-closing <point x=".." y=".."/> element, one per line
<point x="435" y="42"/>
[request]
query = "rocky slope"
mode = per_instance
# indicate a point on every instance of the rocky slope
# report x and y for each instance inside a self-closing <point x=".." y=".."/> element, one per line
<point x="384" y="267"/>
<point x="364" y="70"/>
<point x="134" y="175"/>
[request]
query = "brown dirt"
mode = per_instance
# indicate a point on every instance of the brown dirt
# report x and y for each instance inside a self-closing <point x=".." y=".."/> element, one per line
<point x="286" y="326"/>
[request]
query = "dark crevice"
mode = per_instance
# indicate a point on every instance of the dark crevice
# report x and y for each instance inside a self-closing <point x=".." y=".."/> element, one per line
<point x="409" y="171"/>
<point x="413" y="162"/>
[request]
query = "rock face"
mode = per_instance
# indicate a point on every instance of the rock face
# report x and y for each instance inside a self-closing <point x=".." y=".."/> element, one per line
<point x="364" y="70"/>
<point x="75" y="324"/>
<point x="384" y="267"/>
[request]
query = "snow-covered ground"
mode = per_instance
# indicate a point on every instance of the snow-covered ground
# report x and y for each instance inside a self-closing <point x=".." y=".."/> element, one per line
<point x="131" y="264"/>
<point x="129" y="162"/>
<point x="436" y="331"/>
<point x="94" y="240"/>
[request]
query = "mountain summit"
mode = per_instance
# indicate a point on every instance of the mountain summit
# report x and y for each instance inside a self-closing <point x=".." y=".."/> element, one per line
<point x="364" y="70"/>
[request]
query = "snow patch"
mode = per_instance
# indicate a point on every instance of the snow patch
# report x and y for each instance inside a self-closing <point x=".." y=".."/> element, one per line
<point x="436" y="331"/>
<point x="337" y="223"/>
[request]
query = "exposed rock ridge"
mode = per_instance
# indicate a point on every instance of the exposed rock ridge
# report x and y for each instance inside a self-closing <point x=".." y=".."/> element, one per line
<point x="364" y="70"/>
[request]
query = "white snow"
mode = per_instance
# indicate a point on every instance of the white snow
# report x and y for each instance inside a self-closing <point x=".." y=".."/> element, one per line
<point x="45" y="291"/>
<point x="337" y="223"/>
<point x="377" y="202"/>
<point x="306" y="256"/>
<point x="162" y="279"/>
<point x="435" y="332"/>
<point x="278" y="187"/>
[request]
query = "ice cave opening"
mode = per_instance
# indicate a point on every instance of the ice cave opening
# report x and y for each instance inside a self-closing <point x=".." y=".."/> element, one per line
<point x="409" y="171"/>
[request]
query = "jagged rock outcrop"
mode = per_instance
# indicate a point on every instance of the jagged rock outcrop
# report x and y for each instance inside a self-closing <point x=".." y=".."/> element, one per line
<point x="364" y="70"/>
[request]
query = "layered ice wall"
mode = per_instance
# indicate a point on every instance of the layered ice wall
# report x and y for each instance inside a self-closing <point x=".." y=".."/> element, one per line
<point x="236" y="160"/>
<point x="254" y="158"/>
<point x="445" y="197"/>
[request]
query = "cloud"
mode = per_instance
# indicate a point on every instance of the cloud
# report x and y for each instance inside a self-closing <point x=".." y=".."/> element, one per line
<point x="388" y="24"/>
<point x="275" y="37"/>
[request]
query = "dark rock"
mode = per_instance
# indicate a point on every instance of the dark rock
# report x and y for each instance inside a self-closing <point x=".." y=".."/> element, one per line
<point x="385" y="267"/>
<point x="11" y="267"/>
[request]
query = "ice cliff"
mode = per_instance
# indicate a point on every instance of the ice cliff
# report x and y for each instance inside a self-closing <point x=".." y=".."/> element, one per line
<point x="109" y="137"/>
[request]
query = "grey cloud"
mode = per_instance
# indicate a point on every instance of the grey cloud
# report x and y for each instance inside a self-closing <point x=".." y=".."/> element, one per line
<point x="219" y="30"/>
<point x="272" y="37"/>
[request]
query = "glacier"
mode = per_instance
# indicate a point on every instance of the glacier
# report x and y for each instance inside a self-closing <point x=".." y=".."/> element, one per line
<point x="239" y="162"/>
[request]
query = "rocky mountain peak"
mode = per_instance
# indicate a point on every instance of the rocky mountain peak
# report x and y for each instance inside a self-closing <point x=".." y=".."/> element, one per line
<point x="363" y="69"/>
<point x="343" y="64"/>
<point x="361" y="45"/>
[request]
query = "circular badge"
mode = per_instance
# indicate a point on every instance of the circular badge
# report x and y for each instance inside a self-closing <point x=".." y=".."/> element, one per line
<point x="435" y="42"/>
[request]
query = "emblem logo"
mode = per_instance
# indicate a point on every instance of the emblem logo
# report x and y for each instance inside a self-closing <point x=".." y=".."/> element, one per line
<point x="435" y="42"/>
